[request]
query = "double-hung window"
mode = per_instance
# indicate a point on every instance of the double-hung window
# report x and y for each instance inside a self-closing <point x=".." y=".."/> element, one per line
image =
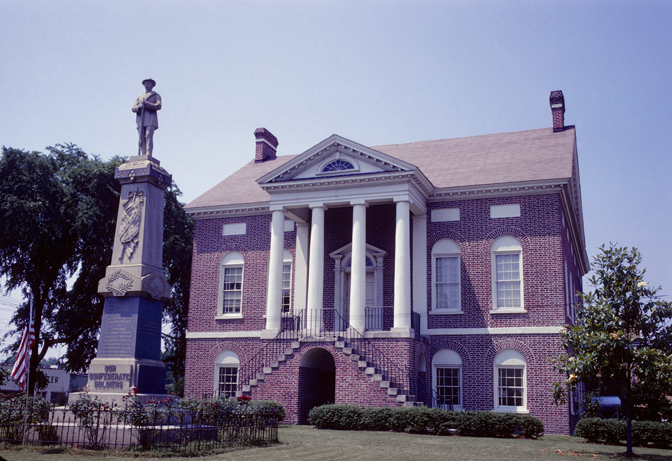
<point x="228" y="381"/>
<point x="231" y="285"/>
<point x="286" y="287"/>
<point x="226" y="374"/>
<point x="510" y="382"/>
<point x="507" y="274"/>
<point x="447" y="379"/>
<point x="446" y="276"/>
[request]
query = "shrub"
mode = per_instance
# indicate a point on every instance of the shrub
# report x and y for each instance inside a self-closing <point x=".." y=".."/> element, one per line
<point x="376" y="418"/>
<point x="414" y="420"/>
<point x="598" y="430"/>
<point x="335" y="417"/>
<point x="12" y="413"/>
<point x="611" y="431"/>
<point x="272" y="405"/>
<point x="94" y="417"/>
<point x="530" y="427"/>
<point x="442" y="421"/>
<point x="422" y="420"/>
<point x="658" y="434"/>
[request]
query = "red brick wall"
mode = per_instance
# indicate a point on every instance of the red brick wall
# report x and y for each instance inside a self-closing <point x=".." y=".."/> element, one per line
<point x="478" y="353"/>
<point x="352" y="385"/>
<point x="539" y="231"/>
<point x="545" y="248"/>
<point x="210" y="246"/>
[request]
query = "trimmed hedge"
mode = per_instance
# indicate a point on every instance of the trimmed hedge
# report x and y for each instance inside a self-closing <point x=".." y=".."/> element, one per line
<point x="423" y="420"/>
<point x="272" y="404"/>
<point x="611" y="431"/>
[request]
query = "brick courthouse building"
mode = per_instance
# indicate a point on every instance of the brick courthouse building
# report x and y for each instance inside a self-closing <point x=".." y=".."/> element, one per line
<point x="438" y="272"/>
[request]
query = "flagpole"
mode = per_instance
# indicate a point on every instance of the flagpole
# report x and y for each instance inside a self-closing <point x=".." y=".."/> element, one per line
<point x="25" y="413"/>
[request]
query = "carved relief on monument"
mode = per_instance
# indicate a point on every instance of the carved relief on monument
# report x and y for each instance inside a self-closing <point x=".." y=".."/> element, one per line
<point x="156" y="285"/>
<point x="119" y="282"/>
<point x="129" y="229"/>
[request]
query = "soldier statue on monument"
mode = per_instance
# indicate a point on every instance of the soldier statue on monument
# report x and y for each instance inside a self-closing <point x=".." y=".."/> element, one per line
<point x="145" y="107"/>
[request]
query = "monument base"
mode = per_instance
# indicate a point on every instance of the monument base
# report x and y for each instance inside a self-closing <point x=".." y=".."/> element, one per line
<point x="119" y="375"/>
<point x="111" y="398"/>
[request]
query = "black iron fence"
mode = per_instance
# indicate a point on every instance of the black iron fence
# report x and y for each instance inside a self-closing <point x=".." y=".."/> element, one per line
<point x="205" y="427"/>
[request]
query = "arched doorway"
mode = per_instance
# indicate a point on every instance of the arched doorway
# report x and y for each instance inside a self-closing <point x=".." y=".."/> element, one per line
<point x="317" y="381"/>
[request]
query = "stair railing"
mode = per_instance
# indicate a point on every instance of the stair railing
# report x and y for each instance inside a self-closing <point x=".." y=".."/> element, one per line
<point x="429" y="396"/>
<point x="401" y="379"/>
<point x="270" y="351"/>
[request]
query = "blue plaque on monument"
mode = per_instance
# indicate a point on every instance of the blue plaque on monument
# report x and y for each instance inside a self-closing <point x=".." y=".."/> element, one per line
<point x="131" y="328"/>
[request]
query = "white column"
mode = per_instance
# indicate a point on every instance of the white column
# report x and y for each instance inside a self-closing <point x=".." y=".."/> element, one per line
<point x="402" y="267"/>
<point x="301" y="268"/>
<point x="316" y="269"/>
<point x="358" y="267"/>
<point x="274" y="289"/>
<point x="420" y="269"/>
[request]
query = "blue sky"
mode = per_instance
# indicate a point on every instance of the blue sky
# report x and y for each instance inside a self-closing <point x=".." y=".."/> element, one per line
<point x="377" y="72"/>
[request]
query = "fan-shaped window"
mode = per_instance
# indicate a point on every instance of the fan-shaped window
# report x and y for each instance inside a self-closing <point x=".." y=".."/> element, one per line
<point x="369" y="262"/>
<point x="338" y="165"/>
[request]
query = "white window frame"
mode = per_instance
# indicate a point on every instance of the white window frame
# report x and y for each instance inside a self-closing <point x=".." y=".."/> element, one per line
<point x="448" y="358"/>
<point x="446" y="248"/>
<point x="231" y="260"/>
<point x="507" y="245"/>
<point x="287" y="261"/>
<point x="510" y="360"/>
<point x="226" y="359"/>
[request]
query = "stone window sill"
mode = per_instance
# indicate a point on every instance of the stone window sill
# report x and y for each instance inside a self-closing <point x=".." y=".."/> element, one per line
<point x="508" y="311"/>
<point x="516" y="410"/>
<point x="446" y="312"/>
<point x="229" y="316"/>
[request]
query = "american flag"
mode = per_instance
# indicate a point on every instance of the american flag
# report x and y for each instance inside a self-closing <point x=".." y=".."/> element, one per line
<point x="21" y="366"/>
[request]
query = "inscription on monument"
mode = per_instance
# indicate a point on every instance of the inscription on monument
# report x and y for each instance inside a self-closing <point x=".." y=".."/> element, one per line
<point x="110" y="379"/>
<point x="118" y="340"/>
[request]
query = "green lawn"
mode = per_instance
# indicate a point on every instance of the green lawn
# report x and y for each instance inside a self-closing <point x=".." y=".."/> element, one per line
<point x="307" y="443"/>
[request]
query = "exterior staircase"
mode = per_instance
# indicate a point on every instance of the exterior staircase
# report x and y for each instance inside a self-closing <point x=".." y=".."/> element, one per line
<point x="387" y="382"/>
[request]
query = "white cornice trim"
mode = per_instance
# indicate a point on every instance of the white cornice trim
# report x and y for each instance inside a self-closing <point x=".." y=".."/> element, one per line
<point x="231" y="210"/>
<point x="495" y="331"/>
<point x="420" y="181"/>
<point x="498" y="190"/>
<point x="323" y="149"/>
<point x="223" y="334"/>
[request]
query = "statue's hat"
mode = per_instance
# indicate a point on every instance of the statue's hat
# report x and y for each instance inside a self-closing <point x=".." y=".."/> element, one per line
<point x="149" y="80"/>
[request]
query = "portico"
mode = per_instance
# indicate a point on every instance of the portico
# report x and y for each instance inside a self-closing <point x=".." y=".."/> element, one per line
<point x="305" y="194"/>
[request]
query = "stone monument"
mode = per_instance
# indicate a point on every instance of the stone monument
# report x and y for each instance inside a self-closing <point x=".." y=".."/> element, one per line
<point x="134" y="286"/>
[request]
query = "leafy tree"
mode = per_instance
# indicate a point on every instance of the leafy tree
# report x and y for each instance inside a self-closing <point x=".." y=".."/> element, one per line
<point x="178" y="231"/>
<point x="57" y="222"/>
<point x="622" y="340"/>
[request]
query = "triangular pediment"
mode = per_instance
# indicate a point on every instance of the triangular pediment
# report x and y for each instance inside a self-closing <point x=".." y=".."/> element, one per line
<point x="335" y="156"/>
<point x="345" y="250"/>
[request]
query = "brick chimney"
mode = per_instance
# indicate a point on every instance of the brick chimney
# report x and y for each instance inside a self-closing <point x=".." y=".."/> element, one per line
<point x="267" y="145"/>
<point x="557" y="101"/>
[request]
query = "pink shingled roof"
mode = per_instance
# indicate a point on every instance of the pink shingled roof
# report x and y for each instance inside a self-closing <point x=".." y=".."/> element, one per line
<point x="521" y="156"/>
<point x="241" y="187"/>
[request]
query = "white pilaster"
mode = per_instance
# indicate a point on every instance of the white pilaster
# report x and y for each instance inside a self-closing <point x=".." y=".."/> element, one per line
<point x="420" y="269"/>
<point x="402" y="267"/>
<point x="301" y="268"/>
<point x="358" y="267"/>
<point x="274" y="289"/>
<point x="316" y="269"/>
